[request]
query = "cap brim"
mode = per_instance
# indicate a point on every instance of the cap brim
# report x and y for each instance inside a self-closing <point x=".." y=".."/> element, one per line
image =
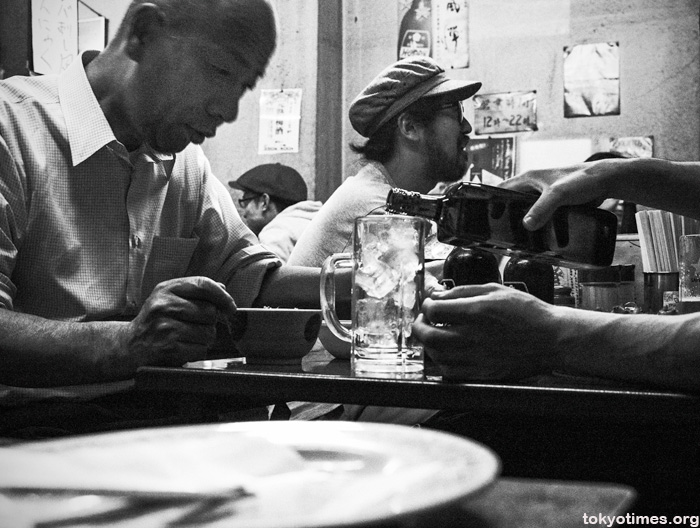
<point x="236" y="185"/>
<point x="454" y="90"/>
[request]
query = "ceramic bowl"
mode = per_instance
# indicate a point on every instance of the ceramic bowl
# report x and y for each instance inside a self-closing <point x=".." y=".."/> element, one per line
<point x="275" y="335"/>
<point x="336" y="346"/>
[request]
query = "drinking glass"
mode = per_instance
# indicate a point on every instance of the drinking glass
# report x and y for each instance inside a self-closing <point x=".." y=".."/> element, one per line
<point x="387" y="286"/>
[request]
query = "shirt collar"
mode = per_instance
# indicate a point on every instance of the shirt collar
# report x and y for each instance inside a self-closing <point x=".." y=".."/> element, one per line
<point x="86" y="125"/>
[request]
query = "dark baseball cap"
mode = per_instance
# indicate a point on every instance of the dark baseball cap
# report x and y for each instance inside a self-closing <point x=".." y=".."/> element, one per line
<point x="399" y="86"/>
<point x="275" y="179"/>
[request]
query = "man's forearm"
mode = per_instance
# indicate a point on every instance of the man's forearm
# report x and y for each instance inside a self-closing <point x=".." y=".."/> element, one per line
<point x="38" y="352"/>
<point x="654" y="349"/>
<point x="298" y="286"/>
<point x="672" y="186"/>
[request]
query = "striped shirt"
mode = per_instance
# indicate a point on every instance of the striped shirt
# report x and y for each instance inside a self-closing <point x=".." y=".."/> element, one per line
<point x="88" y="229"/>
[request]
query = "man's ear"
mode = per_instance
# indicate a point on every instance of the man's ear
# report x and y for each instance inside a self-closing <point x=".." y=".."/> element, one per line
<point x="145" y="23"/>
<point x="409" y="128"/>
<point x="264" y="201"/>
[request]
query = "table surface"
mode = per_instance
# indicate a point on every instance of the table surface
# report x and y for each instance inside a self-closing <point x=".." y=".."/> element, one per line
<point x="322" y="378"/>
<point x="507" y="503"/>
<point x="525" y="503"/>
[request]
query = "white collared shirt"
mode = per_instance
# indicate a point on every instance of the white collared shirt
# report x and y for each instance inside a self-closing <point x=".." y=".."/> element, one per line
<point x="88" y="229"/>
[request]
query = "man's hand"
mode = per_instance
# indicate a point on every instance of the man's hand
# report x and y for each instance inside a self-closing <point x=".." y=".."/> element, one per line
<point x="177" y="323"/>
<point x="487" y="332"/>
<point x="575" y="185"/>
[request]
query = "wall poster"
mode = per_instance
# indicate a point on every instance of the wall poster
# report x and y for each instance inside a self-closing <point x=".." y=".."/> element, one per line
<point x="635" y="147"/>
<point x="54" y="35"/>
<point x="505" y="112"/>
<point x="435" y="28"/>
<point x="450" y="33"/>
<point x="492" y="159"/>
<point x="415" y="30"/>
<point x="280" y="117"/>
<point x="92" y="28"/>
<point x="592" y="80"/>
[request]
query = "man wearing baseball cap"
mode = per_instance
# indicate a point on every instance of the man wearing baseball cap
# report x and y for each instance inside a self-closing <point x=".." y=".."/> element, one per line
<point x="274" y="205"/>
<point x="416" y="137"/>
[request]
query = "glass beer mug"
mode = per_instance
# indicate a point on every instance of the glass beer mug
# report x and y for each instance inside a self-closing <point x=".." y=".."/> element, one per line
<point x="387" y="286"/>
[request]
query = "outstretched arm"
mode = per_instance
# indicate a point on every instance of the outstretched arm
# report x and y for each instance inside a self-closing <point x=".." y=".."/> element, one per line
<point x="672" y="186"/>
<point x="491" y="332"/>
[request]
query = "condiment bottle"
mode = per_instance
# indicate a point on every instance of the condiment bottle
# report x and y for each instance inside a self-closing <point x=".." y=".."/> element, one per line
<point x="470" y="266"/>
<point x="470" y="214"/>
<point x="537" y="276"/>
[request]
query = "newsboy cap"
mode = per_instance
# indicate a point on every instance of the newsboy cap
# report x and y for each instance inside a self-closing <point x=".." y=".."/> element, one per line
<point x="275" y="179"/>
<point x="399" y="86"/>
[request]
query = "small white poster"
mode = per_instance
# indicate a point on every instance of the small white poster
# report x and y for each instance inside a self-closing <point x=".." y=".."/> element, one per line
<point x="592" y="80"/>
<point x="54" y="35"/>
<point x="280" y="117"/>
<point x="636" y="147"/>
<point x="451" y="32"/>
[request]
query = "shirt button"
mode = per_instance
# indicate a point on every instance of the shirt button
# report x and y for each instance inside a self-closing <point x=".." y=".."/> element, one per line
<point x="135" y="242"/>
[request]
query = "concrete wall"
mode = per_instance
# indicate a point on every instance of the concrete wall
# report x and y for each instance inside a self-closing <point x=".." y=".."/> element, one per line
<point x="234" y="150"/>
<point x="518" y="45"/>
<point x="514" y="45"/>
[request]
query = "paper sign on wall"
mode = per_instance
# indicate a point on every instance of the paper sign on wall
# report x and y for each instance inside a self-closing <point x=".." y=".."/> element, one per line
<point x="450" y="33"/>
<point x="435" y="28"/>
<point x="54" y="35"/>
<point x="280" y="117"/>
<point x="592" y="80"/>
<point x="505" y="112"/>
<point x="636" y="147"/>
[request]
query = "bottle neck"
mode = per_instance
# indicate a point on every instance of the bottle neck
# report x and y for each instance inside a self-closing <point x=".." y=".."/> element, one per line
<point x="413" y="203"/>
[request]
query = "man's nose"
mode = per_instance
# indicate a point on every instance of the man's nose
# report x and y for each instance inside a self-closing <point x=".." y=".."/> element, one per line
<point x="224" y="109"/>
<point x="466" y="126"/>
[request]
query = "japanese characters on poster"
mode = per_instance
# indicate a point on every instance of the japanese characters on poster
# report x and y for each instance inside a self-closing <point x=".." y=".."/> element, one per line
<point x="54" y="35"/>
<point x="435" y="28"/>
<point x="450" y="31"/>
<point x="592" y="80"/>
<point x="280" y="117"/>
<point x="505" y="112"/>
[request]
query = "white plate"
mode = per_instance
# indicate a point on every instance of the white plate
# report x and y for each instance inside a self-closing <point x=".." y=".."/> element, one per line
<point x="340" y="474"/>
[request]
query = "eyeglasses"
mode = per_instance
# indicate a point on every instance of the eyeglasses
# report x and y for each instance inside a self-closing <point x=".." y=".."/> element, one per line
<point x="459" y="105"/>
<point x="243" y="202"/>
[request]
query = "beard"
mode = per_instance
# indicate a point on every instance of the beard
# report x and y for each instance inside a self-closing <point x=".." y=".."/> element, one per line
<point x="441" y="166"/>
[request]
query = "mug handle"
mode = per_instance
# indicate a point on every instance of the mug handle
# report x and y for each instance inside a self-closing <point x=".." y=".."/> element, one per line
<point x="328" y="293"/>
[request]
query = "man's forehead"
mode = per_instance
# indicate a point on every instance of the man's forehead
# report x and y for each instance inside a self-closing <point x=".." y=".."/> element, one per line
<point x="229" y="54"/>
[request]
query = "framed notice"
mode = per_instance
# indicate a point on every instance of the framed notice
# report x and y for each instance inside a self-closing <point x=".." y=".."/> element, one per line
<point x="505" y="112"/>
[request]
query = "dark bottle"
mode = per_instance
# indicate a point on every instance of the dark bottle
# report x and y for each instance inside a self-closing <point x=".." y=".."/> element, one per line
<point x="537" y="276"/>
<point x="628" y="224"/>
<point x="471" y="266"/>
<point x="476" y="215"/>
<point x="414" y="32"/>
